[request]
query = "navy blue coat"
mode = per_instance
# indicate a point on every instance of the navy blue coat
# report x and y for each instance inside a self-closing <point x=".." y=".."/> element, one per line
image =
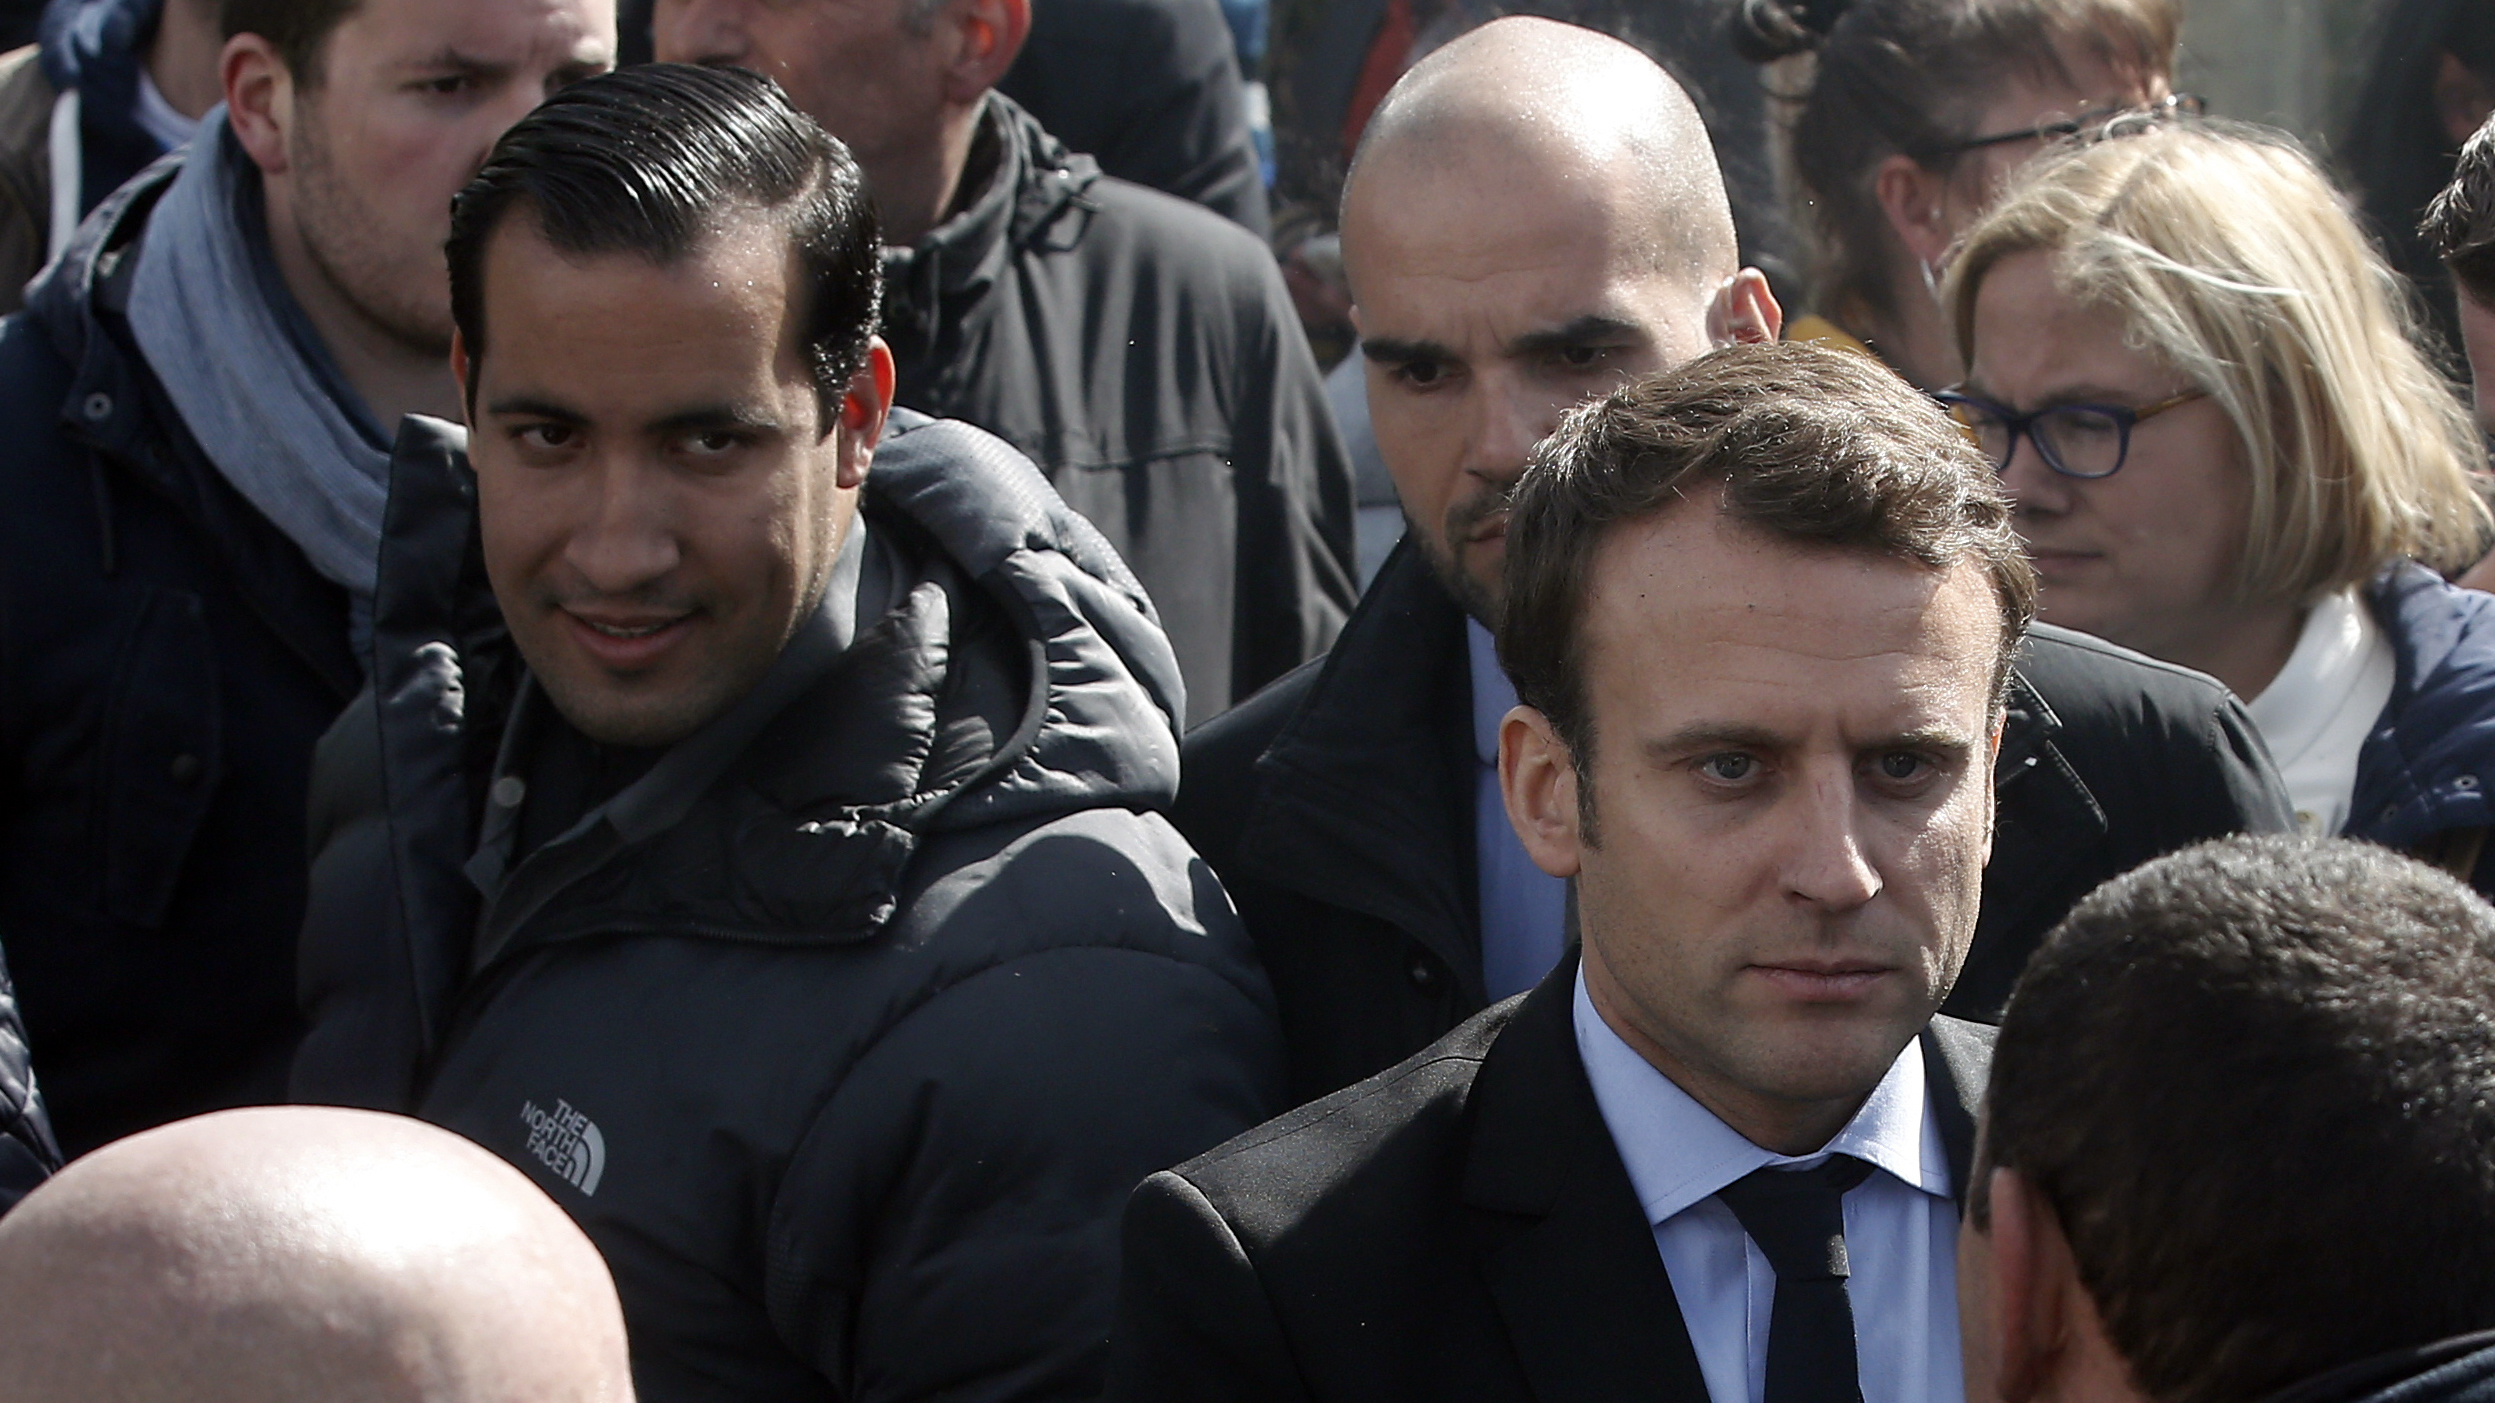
<point x="2425" y="769"/>
<point x="167" y="659"/>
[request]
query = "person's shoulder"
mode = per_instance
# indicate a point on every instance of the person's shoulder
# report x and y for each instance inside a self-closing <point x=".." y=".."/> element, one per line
<point x="1217" y="766"/>
<point x="2084" y="679"/>
<point x="1175" y="239"/>
<point x="1392" y="1139"/>
<point x="34" y="376"/>
<point x="26" y="102"/>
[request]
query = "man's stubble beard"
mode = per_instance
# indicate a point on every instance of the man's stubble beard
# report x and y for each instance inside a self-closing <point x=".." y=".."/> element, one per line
<point x="1443" y="549"/>
<point x="338" y="230"/>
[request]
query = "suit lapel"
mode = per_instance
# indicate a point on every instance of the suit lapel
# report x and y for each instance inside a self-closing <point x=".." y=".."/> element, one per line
<point x="1565" y="1250"/>
<point x="1958" y="1060"/>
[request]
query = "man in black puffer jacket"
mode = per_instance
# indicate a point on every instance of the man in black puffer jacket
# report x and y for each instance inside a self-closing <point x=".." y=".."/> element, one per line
<point x="831" y="966"/>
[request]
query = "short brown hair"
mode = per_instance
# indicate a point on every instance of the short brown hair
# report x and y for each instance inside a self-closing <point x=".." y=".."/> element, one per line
<point x="295" y="28"/>
<point x="2255" y="1081"/>
<point x="2460" y="224"/>
<point x="1815" y="445"/>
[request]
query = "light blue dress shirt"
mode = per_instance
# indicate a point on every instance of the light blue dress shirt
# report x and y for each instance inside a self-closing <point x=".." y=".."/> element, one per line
<point x="1524" y="910"/>
<point x="1901" y="1227"/>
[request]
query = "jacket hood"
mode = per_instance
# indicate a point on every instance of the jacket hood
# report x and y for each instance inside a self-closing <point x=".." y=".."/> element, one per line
<point x="2429" y="763"/>
<point x="1104" y="701"/>
<point x="97" y="40"/>
<point x="1034" y="184"/>
<point x="98" y="49"/>
<point x="61" y="299"/>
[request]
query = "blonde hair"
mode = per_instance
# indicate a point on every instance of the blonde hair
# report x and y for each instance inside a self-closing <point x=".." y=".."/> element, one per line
<point x="2228" y="255"/>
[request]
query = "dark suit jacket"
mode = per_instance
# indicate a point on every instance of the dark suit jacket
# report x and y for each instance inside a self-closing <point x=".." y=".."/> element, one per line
<point x="1459" y="1229"/>
<point x="1337" y="805"/>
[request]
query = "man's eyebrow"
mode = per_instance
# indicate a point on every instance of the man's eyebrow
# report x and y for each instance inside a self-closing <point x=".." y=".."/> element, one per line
<point x="715" y="416"/>
<point x="1592" y="327"/>
<point x="1734" y="735"/>
<point x="1387" y="350"/>
<point x="528" y="407"/>
<point x="450" y="60"/>
<point x="1939" y="738"/>
<point x="1714" y="735"/>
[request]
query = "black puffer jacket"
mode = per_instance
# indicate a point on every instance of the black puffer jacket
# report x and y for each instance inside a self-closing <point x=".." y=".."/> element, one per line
<point x="1144" y="353"/>
<point x="845" y="1030"/>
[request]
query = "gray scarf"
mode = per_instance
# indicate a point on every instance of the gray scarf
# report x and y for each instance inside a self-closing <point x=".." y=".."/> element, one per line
<point x="265" y="407"/>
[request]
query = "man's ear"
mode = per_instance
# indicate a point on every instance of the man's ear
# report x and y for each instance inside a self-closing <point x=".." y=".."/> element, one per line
<point x="259" y="100"/>
<point x="2035" y="1289"/>
<point x="1916" y="202"/>
<point x="863" y="411"/>
<point x="1539" y="781"/>
<point x="984" y="38"/>
<point x="459" y="368"/>
<point x="1745" y="311"/>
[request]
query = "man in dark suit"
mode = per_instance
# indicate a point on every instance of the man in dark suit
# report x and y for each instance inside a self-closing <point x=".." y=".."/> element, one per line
<point x="1536" y="215"/>
<point x="2239" y="1142"/>
<point x="1761" y="612"/>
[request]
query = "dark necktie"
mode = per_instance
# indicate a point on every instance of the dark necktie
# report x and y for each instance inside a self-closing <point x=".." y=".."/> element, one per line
<point x="1797" y="1217"/>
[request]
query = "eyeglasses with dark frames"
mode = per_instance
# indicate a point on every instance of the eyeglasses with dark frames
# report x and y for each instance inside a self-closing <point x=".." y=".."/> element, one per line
<point x="2086" y="441"/>
<point x="2171" y="105"/>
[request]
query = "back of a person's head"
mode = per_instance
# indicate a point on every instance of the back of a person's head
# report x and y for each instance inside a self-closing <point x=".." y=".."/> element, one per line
<point x="295" y="1253"/>
<point x="1911" y="77"/>
<point x="2226" y="253"/>
<point x="2460" y="224"/>
<point x="2255" y="1082"/>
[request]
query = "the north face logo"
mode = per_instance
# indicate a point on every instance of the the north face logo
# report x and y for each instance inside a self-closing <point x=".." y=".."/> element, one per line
<point x="566" y="1142"/>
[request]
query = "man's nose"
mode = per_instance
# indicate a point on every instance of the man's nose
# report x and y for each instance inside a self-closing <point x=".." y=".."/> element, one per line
<point x="625" y="540"/>
<point x="1828" y="862"/>
<point x="1509" y="419"/>
<point x="698" y="31"/>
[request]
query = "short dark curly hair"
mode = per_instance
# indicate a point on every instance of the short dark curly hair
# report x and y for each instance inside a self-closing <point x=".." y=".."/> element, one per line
<point x="2255" y="1082"/>
<point x="648" y="160"/>
<point x="1811" y="444"/>
<point x="2460" y="224"/>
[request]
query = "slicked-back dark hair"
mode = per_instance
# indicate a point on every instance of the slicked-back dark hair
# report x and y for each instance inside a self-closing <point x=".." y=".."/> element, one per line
<point x="653" y="161"/>
<point x="1814" y="445"/>
<point x="295" y="28"/>
<point x="2255" y="1080"/>
<point x="2460" y="224"/>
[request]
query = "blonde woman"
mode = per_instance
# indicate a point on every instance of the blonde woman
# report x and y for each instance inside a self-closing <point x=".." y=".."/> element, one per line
<point x="2199" y="383"/>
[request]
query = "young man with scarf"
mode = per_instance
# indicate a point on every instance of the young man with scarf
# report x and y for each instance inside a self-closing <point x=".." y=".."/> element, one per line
<point x="197" y="405"/>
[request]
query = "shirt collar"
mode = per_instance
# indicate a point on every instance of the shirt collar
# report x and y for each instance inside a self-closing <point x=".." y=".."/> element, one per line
<point x="1493" y="695"/>
<point x="1678" y="1154"/>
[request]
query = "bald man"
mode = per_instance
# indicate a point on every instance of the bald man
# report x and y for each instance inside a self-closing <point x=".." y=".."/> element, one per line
<point x="1534" y="216"/>
<point x="296" y="1253"/>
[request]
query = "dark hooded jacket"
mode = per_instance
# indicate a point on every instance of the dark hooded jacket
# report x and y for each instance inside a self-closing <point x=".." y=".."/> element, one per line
<point x="845" y="1029"/>
<point x="98" y="48"/>
<point x="1144" y="353"/>
<point x="1338" y="808"/>
<point x="2422" y="776"/>
<point x="167" y="660"/>
<point x="1151" y="90"/>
